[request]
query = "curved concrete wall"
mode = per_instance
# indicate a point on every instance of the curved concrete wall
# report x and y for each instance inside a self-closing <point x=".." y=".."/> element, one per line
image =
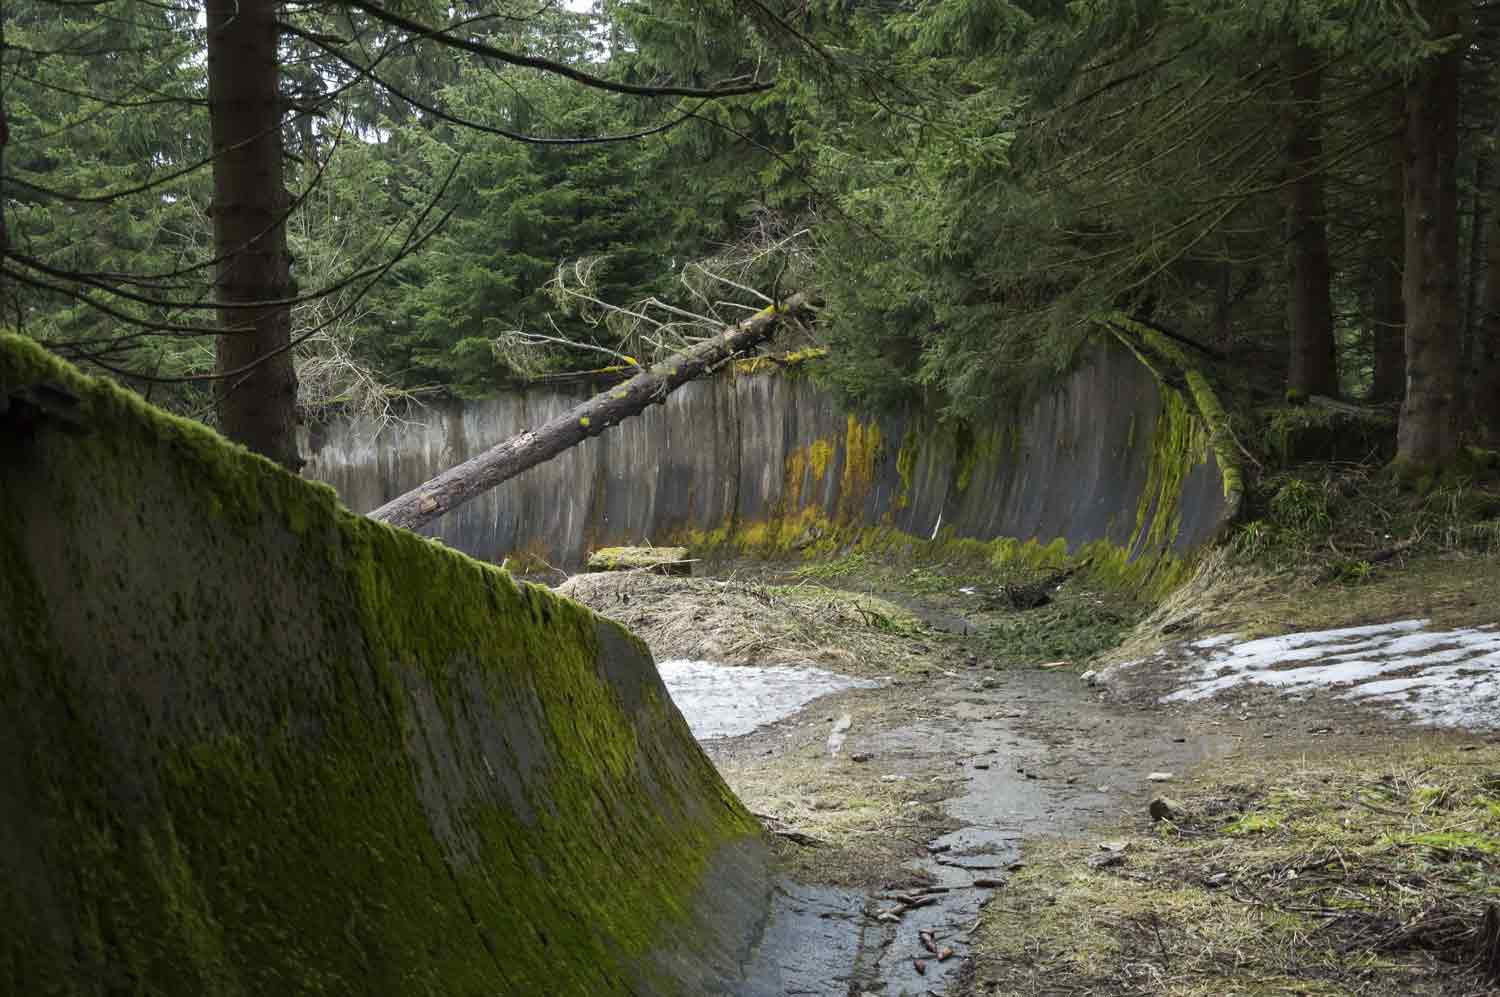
<point x="253" y="744"/>
<point x="772" y="461"/>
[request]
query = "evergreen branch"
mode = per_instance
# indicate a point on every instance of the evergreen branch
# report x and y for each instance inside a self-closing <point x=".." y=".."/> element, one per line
<point x="487" y="51"/>
<point x="479" y="126"/>
<point x="411" y="245"/>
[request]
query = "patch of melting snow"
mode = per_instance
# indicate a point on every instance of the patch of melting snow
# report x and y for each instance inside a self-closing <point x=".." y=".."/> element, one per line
<point x="1448" y="678"/>
<point x="721" y="700"/>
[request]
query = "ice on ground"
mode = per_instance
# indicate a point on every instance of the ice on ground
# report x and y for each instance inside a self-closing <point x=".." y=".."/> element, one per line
<point x="721" y="700"/>
<point x="1448" y="678"/>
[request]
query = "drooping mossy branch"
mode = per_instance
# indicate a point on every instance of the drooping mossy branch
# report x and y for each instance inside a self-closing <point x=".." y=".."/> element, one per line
<point x="505" y="460"/>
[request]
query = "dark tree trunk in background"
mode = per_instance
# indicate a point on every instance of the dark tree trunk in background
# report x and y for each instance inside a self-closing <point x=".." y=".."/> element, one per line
<point x="4" y="142"/>
<point x="257" y="390"/>
<point x="1474" y="279"/>
<point x="1314" y="361"/>
<point x="1224" y="306"/>
<point x="1430" y="416"/>
<point x="1484" y="385"/>
<point x="1388" y="310"/>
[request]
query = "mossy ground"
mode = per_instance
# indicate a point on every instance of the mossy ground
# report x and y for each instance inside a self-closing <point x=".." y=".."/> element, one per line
<point x="965" y="596"/>
<point x="1361" y="868"/>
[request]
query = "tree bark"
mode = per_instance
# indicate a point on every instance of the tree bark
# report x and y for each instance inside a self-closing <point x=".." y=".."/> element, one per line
<point x="1388" y="309"/>
<point x="1484" y="386"/>
<point x="1314" y="358"/>
<point x="505" y="460"/>
<point x="1428" y="434"/>
<point x="1474" y="276"/>
<point x="257" y="386"/>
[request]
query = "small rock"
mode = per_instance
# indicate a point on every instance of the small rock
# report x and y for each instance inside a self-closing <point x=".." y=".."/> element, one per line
<point x="986" y="883"/>
<point x="1090" y="677"/>
<point x="1106" y="859"/>
<point x="1166" y="808"/>
<point x="1113" y="846"/>
<point x="1160" y="777"/>
<point x="981" y="765"/>
<point x="861" y="756"/>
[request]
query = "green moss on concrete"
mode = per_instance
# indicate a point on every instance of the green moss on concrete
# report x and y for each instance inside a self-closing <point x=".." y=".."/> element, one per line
<point x="1156" y="351"/>
<point x="906" y="465"/>
<point x="259" y="745"/>
<point x="1174" y="444"/>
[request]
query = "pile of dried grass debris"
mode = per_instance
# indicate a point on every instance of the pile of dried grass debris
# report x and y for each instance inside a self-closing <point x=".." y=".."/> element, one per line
<point x="746" y="622"/>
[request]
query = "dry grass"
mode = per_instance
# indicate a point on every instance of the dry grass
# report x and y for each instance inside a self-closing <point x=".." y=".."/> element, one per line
<point x="865" y="829"/>
<point x="1227" y="594"/>
<point x="746" y="622"/>
<point x="1361" y="871"/>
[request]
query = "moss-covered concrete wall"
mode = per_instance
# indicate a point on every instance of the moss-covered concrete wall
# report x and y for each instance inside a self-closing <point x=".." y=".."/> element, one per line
<point x="253" y="745"/>
<point x="1113" y="457"/>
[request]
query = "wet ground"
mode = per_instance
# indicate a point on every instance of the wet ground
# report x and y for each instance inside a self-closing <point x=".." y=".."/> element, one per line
<point x="976" y="761"/>
<point x="901" y="802"/>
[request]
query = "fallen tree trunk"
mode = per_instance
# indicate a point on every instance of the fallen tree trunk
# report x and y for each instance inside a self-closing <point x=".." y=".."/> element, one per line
<point x="527" y="449"/>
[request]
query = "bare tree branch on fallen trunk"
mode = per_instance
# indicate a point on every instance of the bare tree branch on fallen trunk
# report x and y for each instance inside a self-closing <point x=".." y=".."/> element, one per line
<point x="480" y="473"/>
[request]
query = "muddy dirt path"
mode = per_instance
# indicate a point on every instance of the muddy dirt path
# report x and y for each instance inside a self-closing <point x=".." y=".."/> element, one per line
<point x="901" y="804"/>
<point x="931" y="781"/>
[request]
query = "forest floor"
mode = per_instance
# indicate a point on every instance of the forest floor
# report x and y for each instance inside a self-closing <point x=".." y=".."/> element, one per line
<point x="974" y="819"/>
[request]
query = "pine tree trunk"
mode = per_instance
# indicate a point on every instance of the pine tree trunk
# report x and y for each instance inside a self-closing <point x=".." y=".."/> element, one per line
<point x="1430" y="416"/>
<point x="1474" y="277"/>
<point x="1314" y="360"/>
<point x="4" y="142"/>
<point x="1485" y="383"/>
<point x="257" y="389"/>
<point x="1388" y="310"/>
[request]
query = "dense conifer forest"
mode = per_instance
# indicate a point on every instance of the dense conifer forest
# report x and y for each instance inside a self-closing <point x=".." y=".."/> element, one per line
<point x="248" y="211"/>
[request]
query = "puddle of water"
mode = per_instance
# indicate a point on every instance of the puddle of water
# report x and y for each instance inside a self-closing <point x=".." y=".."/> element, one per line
<point x="720" y="700"/>
<point x="811" y="943"/>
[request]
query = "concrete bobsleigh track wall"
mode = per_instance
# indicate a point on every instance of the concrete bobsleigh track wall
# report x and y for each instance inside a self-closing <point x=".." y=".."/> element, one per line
<point x="255" y="745"/>
<point x="1111" y="456"/>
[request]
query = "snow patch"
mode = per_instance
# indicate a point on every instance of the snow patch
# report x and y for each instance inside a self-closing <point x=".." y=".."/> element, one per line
<point x="1448" y="678"/>
<point x="720" y="700"/>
